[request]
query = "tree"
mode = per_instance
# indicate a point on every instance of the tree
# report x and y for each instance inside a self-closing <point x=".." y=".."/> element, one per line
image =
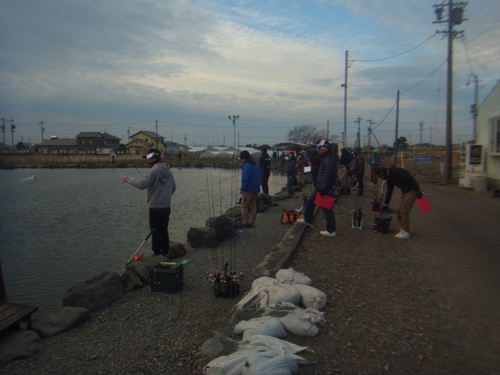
<point x="402" y="142"/>
<point x="306" y="134"/>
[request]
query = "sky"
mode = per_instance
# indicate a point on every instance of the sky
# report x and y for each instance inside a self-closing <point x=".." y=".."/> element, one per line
<point x="181" y="67"/>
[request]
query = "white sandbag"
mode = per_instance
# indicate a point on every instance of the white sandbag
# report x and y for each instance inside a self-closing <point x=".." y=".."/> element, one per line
<point x="228" y="364"/>
<point x="265" y="325"/>
<point x="282" y="293"/>
<point x="264" y="363"/>
<point x="264" y="281"/>
<point x="256" y="298"/>
<point x="264" y="341"/>
<point x="311" y="297"/>
<point x="290" y="276"/>
<point x="302" y="322"/>
<point x="280" y="308"/>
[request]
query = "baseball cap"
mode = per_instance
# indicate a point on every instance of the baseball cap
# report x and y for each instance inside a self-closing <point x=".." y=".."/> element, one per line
<point x="152" y="153"/>
<point x="244" y="155"/>
<point x="323" y="143"/>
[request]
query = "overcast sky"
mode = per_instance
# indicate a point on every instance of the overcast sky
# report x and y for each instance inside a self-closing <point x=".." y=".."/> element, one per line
<point x="118" y="66"/>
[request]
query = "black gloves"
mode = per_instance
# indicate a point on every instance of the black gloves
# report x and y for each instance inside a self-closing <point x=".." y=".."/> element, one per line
<point x="420" y="194"/>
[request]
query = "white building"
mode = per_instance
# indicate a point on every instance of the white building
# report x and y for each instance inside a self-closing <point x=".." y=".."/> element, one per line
<point x="488" y="136"/>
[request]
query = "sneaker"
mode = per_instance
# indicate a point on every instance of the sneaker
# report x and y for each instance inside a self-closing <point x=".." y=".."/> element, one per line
<point x="302" y="221"/>
<point x="328" y="234"/>
<point x="402" y="235"/>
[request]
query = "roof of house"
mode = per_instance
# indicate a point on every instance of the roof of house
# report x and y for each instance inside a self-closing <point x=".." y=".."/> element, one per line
<point x="95" y="135"/>
<point x="59" y="142"/>
<point x="148" y="133"/>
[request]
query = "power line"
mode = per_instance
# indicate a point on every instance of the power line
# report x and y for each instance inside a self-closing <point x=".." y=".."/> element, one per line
<point x="399" y="54"/>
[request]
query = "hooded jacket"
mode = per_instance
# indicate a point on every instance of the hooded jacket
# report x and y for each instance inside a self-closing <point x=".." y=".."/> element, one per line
<point x="402" y="179"/>
<point x="160" y="184"/>
<point x="327" y="174"/>
<point x="250" y="176"/>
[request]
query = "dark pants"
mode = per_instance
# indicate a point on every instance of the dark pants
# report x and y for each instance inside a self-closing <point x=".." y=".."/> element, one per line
<point x="331" y="225"/>
<point x="264" y="178"/>
<point x="158" y="223"/>
<point x="359" y="178"/>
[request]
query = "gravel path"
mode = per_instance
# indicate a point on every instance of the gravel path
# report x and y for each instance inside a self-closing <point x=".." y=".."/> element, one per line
<point x="387" y="313"/>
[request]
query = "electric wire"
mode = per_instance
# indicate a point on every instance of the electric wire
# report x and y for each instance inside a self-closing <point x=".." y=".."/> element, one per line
<point x="397" y="55"/>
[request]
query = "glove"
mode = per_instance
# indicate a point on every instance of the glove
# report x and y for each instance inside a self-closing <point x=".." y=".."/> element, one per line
<point x="420" y="194"/>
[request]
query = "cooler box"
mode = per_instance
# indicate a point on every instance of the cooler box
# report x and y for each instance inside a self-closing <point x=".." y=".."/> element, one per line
<point x="166" y="277"/>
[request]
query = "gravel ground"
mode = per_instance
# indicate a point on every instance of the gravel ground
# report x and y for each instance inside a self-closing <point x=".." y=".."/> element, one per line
<point x="386" y="313"/>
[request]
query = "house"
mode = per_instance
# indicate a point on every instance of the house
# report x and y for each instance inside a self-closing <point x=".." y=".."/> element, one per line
<point x="488" y="136"/>
<point x="58" y="146"/>
<point x="143" y="140"/>
<point x="97" y="143"/>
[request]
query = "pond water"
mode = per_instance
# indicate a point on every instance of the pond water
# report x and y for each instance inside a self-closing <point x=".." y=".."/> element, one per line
<point x="69" y="225"/>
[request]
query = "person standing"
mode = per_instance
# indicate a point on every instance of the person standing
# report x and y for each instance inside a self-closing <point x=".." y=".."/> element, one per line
<point x="314" y="162"/>
<point x="374" y="162"/>
<point x="410" y="190"/>
<point x="291" y="173"/>
<point x="265" y="169"/>
<point x="160" y="185"/>
<point x="325" y="181"/>
<point x="359" y="169"/>
<point x="249" y="190"/>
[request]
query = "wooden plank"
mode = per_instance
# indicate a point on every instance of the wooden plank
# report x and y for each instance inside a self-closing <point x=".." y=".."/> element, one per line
<point x="12" y="314"/>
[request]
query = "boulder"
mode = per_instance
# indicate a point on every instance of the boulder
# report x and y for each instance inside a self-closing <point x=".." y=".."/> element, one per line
<point x="95" y="294"/>
<point x="19" y="345"/>
<point x="223" y="227"/>
<point x="201" y="237"/>
<point x="131" y="280"/>
<point x="60" y="321"/>
<point x="177" y="250"/>
<point x="140" y="266"/>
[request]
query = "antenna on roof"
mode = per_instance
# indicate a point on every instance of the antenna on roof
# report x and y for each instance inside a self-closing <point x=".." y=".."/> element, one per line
<point x="105" y="131"/>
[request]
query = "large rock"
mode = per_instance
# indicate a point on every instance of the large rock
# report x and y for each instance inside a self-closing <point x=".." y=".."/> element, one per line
<point x="177" y="250"/>
<point x="60" y="321"/>
<point x="19" y="345"/>
<point x="95" y="294"/>
<point x="131" y="280"/>
<point x="202" y="237"/>
<point x="223" y="227"/>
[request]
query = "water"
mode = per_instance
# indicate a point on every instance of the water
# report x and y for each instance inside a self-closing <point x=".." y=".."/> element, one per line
<point x="69" y="225"/>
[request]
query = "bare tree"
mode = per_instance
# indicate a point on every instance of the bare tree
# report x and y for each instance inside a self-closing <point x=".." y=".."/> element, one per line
<point x="306" y="134"/>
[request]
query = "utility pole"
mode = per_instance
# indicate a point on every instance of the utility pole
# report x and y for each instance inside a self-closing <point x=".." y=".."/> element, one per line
<point x="12" y="127"/>
<point x="473" y="108"/>
<point x="455" y="17"/>
<point x="128" y="134"/>
<point x="42" y="128"/>
<point x="233" y="119"/>
<point x="396" y="145"/>
<point x="370" y="121"/>
<point x="3" y="129"/>
<point x="358" y="121"/>
<point x="156" y="139"/>
<point x="344" y="85"/>
<point x="421" y="133"/>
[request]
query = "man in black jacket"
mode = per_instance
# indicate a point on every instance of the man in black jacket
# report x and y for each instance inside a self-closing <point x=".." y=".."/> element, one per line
<point x="325" y="181"/>
<point x="410" y="189"/>
<point x="265" y="169"/>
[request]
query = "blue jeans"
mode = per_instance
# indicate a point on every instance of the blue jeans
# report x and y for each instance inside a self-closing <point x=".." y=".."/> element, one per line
<point x="331" y="225"/>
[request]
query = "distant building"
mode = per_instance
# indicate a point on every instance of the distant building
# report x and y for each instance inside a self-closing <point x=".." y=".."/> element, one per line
<point x="58" y="146"/>
<point x="143" y="140"/>
<point x="97" y="143"/>
<point x="488" y="137"/>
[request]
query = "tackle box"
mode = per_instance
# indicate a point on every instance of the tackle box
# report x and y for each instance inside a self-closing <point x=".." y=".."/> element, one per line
<point x="166" y="277"/>
<point x="382" y="222"/>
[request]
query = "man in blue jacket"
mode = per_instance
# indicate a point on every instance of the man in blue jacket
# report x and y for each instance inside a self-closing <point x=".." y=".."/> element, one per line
<point x="250" y="187"/>
<point x="325" y="181"/>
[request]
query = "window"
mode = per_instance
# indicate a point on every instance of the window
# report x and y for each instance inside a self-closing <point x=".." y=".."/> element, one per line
<point x="495" y="136"/>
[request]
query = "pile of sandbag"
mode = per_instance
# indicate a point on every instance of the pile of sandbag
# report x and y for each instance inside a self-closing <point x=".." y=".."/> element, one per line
<point x="288" y="303"/>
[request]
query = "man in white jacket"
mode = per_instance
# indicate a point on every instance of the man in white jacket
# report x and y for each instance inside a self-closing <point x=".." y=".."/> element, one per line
<point x="160" y="185"/>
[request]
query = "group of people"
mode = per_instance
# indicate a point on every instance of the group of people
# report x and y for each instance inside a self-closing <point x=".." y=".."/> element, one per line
<point x="323" y="162"/>
<point x="353" y="164"/>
